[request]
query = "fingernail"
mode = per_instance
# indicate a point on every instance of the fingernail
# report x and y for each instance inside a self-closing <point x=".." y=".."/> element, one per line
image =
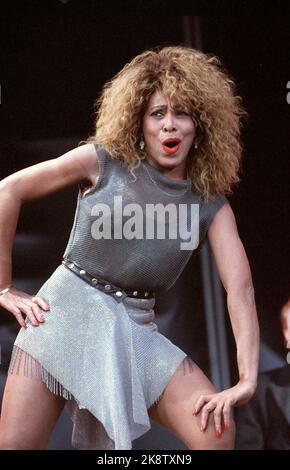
<point x="227" y="426"/>
<point x="218" y="433"/>
<point x="201" y="428"/>
<point x="41" y="318"/>
<point x="35" y="323"/>
<point x="47" y="308"/>
<point x="24" y="325"/>
<point x="194" y="411"/>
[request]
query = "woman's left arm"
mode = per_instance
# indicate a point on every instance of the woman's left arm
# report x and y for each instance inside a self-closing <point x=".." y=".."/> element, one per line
<point x="235" y="273"/>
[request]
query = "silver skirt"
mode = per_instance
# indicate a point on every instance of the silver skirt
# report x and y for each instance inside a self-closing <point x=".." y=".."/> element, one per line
<point x="106" y="358"/>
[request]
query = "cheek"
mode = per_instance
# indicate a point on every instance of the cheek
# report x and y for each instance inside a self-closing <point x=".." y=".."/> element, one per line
<point x="189" y="130"/>
<point x="192" y="129"/>
<point x="145" y="126"/>
<point x="149" y="130"/>
<point x="190" y="134"/>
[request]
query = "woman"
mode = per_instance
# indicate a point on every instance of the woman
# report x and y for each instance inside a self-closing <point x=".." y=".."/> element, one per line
<point x="167" y="139"/>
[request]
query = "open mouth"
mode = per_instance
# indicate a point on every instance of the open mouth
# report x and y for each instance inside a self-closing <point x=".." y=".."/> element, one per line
<point x="170" y="146"/>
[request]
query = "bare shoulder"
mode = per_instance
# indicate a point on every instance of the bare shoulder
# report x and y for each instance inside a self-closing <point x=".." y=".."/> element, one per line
<point x="228" y="249"/>
<point x="223" y="231"/>
<point x="224" y="223"/>
<point x="86" y="157"/>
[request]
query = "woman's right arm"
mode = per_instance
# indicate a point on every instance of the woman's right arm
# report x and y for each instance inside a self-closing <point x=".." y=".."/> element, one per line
<point x="79" y="165"/>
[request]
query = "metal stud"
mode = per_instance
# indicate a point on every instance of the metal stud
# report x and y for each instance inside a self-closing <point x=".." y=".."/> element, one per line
<point x="71" y="265"/>
<point x="82" y="272"/>
<point x="146" y="294"/>
<point x="107" y="286"/>
<point x="118" y="293"/>
<point x="94" y="280"/>
<point x="135" y="292"/>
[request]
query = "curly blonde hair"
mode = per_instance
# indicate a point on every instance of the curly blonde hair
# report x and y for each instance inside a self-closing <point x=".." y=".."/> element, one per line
<point x="196" y="81"/>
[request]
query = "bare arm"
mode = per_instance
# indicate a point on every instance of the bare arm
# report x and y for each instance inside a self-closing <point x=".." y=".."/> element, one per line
<point x="76" y="166"/>
<point x="235" y="274"/>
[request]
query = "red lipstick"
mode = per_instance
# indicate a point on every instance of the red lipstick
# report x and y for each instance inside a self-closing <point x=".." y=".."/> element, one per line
<point x="171" y="145"/>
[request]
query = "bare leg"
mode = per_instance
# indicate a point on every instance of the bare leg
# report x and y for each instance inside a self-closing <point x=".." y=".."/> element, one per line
<point x="174" y="410"/>
<point x="29" y="413"/>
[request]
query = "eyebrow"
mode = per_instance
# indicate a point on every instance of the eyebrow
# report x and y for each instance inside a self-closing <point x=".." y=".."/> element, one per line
<point x="158" y="106"/>
<point x="165" y="106"/>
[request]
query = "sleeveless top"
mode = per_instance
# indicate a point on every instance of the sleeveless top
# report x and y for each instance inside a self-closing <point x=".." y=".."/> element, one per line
<point x="144" y="258"/>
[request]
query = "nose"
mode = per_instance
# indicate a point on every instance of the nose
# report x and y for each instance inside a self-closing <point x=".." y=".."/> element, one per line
<point x="169" y="124"/>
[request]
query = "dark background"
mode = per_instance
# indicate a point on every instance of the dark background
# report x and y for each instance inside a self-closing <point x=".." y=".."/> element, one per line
<point x="54" y="61"/>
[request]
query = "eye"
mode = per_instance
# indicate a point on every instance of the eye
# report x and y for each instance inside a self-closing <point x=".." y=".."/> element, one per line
<point x="157" y="113"/>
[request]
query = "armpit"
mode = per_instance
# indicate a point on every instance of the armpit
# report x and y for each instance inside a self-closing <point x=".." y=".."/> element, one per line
<point x="87" y="187"/>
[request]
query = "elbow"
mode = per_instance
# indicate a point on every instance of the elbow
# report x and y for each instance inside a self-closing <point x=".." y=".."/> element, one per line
<point x="9" y="190"/>
<point x="248" y="289"/>
<point x="244" y="285"/>
<point x="242" y="291"/>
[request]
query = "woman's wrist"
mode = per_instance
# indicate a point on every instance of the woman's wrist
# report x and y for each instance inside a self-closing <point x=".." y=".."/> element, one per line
<point x="5" y="289"/>
<point x="251" y="383"/>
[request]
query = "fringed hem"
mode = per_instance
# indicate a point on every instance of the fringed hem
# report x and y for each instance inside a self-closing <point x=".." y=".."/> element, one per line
<point x="24" y="364"/>
<point x="84" y="432"/>
<point x="157" y="399"/>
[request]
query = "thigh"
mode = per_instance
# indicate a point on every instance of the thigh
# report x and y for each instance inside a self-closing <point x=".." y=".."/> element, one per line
<point x="174" y="410"/>
<point x="29" y="413"/>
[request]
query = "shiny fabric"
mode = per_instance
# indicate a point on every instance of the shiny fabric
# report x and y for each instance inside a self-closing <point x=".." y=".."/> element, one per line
<point x="107" y="358"/>
<point x="146" y="264"/>
<point x="108" y="355"/>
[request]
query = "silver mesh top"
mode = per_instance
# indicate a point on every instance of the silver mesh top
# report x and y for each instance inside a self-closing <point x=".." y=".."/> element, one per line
<point x="137" y="263"/>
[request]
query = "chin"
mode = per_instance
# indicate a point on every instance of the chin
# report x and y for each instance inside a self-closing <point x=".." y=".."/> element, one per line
<point x="168" y="162"/>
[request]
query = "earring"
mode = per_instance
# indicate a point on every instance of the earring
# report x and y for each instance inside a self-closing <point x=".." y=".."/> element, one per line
<point x="142" y="144"/>
<point x="196" y="145"/>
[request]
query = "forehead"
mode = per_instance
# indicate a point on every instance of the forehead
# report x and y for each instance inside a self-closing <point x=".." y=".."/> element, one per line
<point x="157" y="99"/>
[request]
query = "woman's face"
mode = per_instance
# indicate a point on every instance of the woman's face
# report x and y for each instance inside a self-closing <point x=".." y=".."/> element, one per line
<point x="168" y="136"/>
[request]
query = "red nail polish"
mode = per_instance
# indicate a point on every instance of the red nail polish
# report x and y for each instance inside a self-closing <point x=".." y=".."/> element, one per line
<point x="201" y="428"/>
<point x="227" y="426"/>
<point x="218" y="434"/>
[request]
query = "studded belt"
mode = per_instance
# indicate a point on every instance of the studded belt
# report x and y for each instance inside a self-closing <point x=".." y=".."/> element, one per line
<point x="106" y="286"/>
